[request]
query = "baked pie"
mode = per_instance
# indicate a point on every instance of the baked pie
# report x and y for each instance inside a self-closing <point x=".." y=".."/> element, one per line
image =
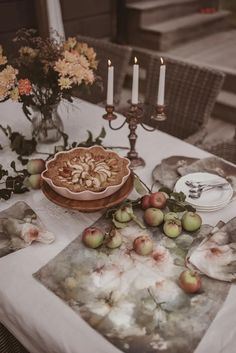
<point x="91" y="170"/>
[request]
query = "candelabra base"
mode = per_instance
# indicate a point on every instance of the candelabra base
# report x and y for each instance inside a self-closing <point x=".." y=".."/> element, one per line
<point x="136" y="162"/>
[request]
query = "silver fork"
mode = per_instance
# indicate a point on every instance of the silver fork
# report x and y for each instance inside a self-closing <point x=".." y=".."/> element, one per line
<point x="199" y="184"/>
<point x="196" y="193"/>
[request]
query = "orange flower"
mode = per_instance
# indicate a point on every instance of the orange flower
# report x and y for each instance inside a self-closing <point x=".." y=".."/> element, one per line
<point x="24" y="87"/>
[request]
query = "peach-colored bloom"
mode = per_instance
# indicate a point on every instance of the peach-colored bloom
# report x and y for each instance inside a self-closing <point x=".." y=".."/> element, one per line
<point x="14" y="94"/>
<point x="3" y="59"/>
<point x="70" y="43"/>
<point x="65" y="83"/>
<point x="24" y="86"/>
<point x="7" y="81"/>
<point x="29" y="52"/>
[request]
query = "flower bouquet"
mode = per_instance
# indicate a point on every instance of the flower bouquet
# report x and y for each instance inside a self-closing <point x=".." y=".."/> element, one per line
<point x="42" y="72"/>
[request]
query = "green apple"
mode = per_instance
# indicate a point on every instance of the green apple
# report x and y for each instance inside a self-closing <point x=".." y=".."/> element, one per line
<point x="170" y="215"/>
<point x="191" y="221"/>
<point x="34" y="181"/>
<point x="124" y="215"/>
<point x="35" y="166"/>
<point x="114" y="239"/>
<point x="172" y="228"/>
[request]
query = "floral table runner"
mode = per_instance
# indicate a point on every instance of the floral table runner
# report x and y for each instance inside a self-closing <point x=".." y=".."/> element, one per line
<point x="19" y="227"/>
<point x="135" y="301"/>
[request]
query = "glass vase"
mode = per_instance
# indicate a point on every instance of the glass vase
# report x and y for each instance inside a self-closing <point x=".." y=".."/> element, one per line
<point x="47" y="126"/>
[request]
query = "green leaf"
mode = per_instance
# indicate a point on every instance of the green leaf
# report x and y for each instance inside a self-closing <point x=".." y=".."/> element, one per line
<point x="3" y="172"/>
<point x="139" y="222"/>
<point x="5" y="194"/>
<point x="23" y="161"/>
<point x="166" y="190"/>
<point x="174" y="206"/>
<point x="139" y="187"/>
<point x="179" y="196"/>
<point x="102" y="133"/>
<point x="190" y="208"/>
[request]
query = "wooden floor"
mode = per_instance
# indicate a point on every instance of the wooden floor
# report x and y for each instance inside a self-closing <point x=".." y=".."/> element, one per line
<point x="218" y="50"/>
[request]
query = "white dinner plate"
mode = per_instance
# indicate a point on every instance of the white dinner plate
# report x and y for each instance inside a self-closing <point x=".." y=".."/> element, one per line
<point x="209" y="200"/>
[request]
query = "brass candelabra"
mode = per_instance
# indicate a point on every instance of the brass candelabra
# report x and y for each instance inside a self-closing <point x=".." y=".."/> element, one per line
<point x="134" y="117"/>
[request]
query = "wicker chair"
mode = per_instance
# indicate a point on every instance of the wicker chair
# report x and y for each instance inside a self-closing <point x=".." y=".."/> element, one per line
<point x="190" y="96"/>
<point x="226" y="149"/>
<point x="119" y="56"/>
<point x="8" y="343"/>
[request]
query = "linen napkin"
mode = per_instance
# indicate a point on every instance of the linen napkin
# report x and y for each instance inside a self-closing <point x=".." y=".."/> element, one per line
<point x="19" y="227"/>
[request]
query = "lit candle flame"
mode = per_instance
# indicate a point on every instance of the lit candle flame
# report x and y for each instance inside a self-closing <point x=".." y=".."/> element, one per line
<point x="109" y="62"/>
<point x="162" y="61"/>
<point x="135" y="60"/>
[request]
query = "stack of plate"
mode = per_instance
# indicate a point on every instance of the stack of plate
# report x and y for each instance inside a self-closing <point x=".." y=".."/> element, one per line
<point x="210" y="200"/>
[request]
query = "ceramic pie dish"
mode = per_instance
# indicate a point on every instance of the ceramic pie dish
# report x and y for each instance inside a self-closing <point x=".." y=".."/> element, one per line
<point x="86" y="173"/>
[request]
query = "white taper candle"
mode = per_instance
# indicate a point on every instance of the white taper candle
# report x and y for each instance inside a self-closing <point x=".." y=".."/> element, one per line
<point x="161" y="86"/>
<point x="110" y="83"/>
<point x="135" y="82"/>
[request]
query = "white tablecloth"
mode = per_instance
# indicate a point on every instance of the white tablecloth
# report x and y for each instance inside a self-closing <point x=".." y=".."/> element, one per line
<point x="38" y="318"/>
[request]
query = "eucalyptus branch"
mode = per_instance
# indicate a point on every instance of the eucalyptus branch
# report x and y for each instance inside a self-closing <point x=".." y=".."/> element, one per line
<point x="142" y="182"/>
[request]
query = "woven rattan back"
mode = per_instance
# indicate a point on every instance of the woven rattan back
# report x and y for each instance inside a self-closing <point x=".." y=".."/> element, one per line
<point x="190" y="94"/>
<point x="119" y="56"/>
<point x="226" y="150"/>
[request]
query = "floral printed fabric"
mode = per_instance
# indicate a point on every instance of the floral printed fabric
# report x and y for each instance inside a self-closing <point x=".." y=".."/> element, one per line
<point x="19" y="227"/>
<point x="135" y="301"/>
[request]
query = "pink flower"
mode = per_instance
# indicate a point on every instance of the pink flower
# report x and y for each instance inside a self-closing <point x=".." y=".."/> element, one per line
<point x="24" y="86"/>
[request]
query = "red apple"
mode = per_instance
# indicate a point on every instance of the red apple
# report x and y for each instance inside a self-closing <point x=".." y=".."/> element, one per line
<point x="190" y="281"/>
<point x="145" y="202"/>
<point x="191" y="221"/>
<point x="158" y="200"/>
<point x="153" y="216"/>
<point x="172" y="228"/>
<point x="35" y="166"/>
<point x="93" y="237"/>
<point x="143" y="245"/>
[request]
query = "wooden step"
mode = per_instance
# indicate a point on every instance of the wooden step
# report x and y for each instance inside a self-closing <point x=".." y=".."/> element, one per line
<point x="225" y="107"/>
<point x="163" y="36"/>
<point x="148" y="12"/>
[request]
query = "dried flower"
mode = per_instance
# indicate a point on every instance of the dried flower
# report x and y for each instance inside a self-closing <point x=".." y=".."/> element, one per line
<point x="24" y="87"/>
<point x="43" y="71"/>
<point x="3" y="59"/>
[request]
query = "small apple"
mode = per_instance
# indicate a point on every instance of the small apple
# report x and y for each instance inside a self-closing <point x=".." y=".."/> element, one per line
<point x="153" y="216"/>
<point x="191" y="221"/>
<point x="158" y="200"/>
<point x="170" y="215"/>
<point x="145" y="202"/>
<point x="143" y="245"/>
<point x="124" y="214"/>
<point x="172" y="228"/>
<point x="34" y="181"/>
<point x="190" y="281"/>
<point x="35" y="166"/>
<point x="92" y="237"/>
<point x="114" y="239"/>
